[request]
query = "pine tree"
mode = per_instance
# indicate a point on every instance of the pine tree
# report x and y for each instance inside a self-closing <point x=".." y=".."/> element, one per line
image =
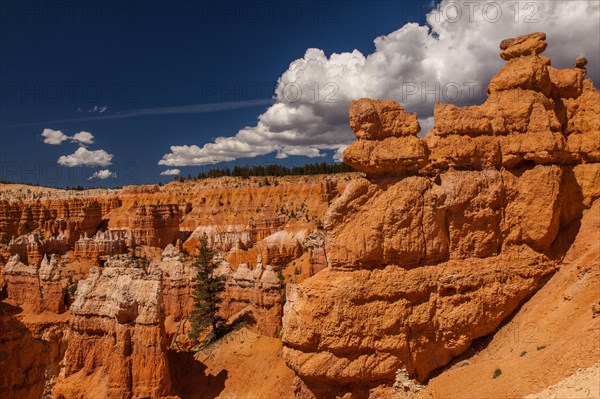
<point x="207" y="292"/>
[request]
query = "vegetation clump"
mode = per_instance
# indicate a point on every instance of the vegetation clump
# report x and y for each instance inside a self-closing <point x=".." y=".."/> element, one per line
<point x="274" y="170"/>
<point x="208" y="289"/>
<point x="497" y="373"/>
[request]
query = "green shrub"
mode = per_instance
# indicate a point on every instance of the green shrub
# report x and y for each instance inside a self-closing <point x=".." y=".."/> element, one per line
<point x="497" y="373"/>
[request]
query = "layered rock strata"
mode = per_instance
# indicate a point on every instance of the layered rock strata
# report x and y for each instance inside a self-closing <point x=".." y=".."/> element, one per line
<point x="71" y="217"/>
<point x="155" y="225"/>
<point x="103" y="244"/>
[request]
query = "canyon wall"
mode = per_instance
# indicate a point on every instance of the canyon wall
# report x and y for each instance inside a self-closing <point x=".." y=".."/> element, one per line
<point x="29" y="354"/>
<point x="447" y="235"/>
<point x="116" y="264"/>
<point x="71" y="217"/>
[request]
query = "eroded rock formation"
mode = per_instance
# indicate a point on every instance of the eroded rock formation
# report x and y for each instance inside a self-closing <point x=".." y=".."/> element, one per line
<point x="155" y="225"/>
<point x="71" y="217"/>
<point x="177" y="283"/>
<point x="117" y="330"/>
<point x="104" y="243"/>
<point x="31" y="248"/>
<point x="315" y="245"/>
<point x="256" y="292"/>
<point x="29" y="357"/>
<point x="447" y="235"/>
<point x="37" y="286"/>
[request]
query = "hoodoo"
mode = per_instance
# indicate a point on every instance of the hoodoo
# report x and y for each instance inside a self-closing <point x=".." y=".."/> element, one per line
<point x="446" y="235"/>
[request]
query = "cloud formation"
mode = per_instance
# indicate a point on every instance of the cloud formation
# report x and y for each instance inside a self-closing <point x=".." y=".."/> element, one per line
<point x="102" y="175"/>
<point x="54" y="137"/>
<point x="84" y="138"/>
<point x="85" y="157"/>
<point x="170" y="172"/>
<point x="82" y="156"/>
<point x="450" y="60"/>
<point x="177" y="110"/>
<point x="99" y="109"/>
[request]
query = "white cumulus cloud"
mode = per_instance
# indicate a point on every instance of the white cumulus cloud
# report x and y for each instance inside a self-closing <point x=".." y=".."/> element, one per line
<point x="85" y="157"/>
<point x="102" y="175"/>
<point x="451" y="60"/>
<point x="83" y="138"/>
<point x="54" y="137"/>
<point x="170" y="172"/>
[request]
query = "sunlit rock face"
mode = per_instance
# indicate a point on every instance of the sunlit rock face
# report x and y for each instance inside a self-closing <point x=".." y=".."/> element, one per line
<point x="39" y="287"/>
<point x="448" y="234"/>
<point x="117" y="330"/>
<point x="254" y="294"/>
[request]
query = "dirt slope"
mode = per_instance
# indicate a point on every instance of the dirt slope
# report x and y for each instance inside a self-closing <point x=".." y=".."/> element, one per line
<point x="583" y="384"/>
<point x="242" y="365"/>
<point x="552" y="336"/>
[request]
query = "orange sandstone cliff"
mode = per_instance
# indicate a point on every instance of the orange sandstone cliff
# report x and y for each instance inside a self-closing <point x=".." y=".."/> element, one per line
<point x="447" y="235"/>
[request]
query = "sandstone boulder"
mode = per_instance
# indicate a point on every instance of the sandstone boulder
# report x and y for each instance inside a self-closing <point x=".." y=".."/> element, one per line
<point x="379" y="119"/>
<point x="531" y="44"/>
<point x="391" y="155"/>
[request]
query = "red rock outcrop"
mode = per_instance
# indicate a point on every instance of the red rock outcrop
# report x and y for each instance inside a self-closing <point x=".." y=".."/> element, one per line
<point x="9" y="220"/>
<point x="227" y="238"/>
<point x="72" y="217"/>
<point x="28" y="356"/>
<point x="52" y="217"/>
<point x="255" y="293"/>
<point x="315" y="245"/>
<point x="387" y="136"/>
<point x="117" y="330"/>
<point x="447" y="235"/>
<point x="177" y="283"/>
<point x="31" y="248"/>
<point x="223" y="238"/>
<point x="282" y="246"/>
<point x="155" y="225"/>
<point x="104" y="243"/>
<point x="37" y="286"/>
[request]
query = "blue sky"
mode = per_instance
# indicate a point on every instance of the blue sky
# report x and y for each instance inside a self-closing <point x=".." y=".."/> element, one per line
<point x="60" y="62"/>
<point x="88" y="67"/>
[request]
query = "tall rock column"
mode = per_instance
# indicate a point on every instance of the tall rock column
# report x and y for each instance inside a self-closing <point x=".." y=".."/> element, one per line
<point x="117" y="332"/>
<point x="448" y="235"/>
